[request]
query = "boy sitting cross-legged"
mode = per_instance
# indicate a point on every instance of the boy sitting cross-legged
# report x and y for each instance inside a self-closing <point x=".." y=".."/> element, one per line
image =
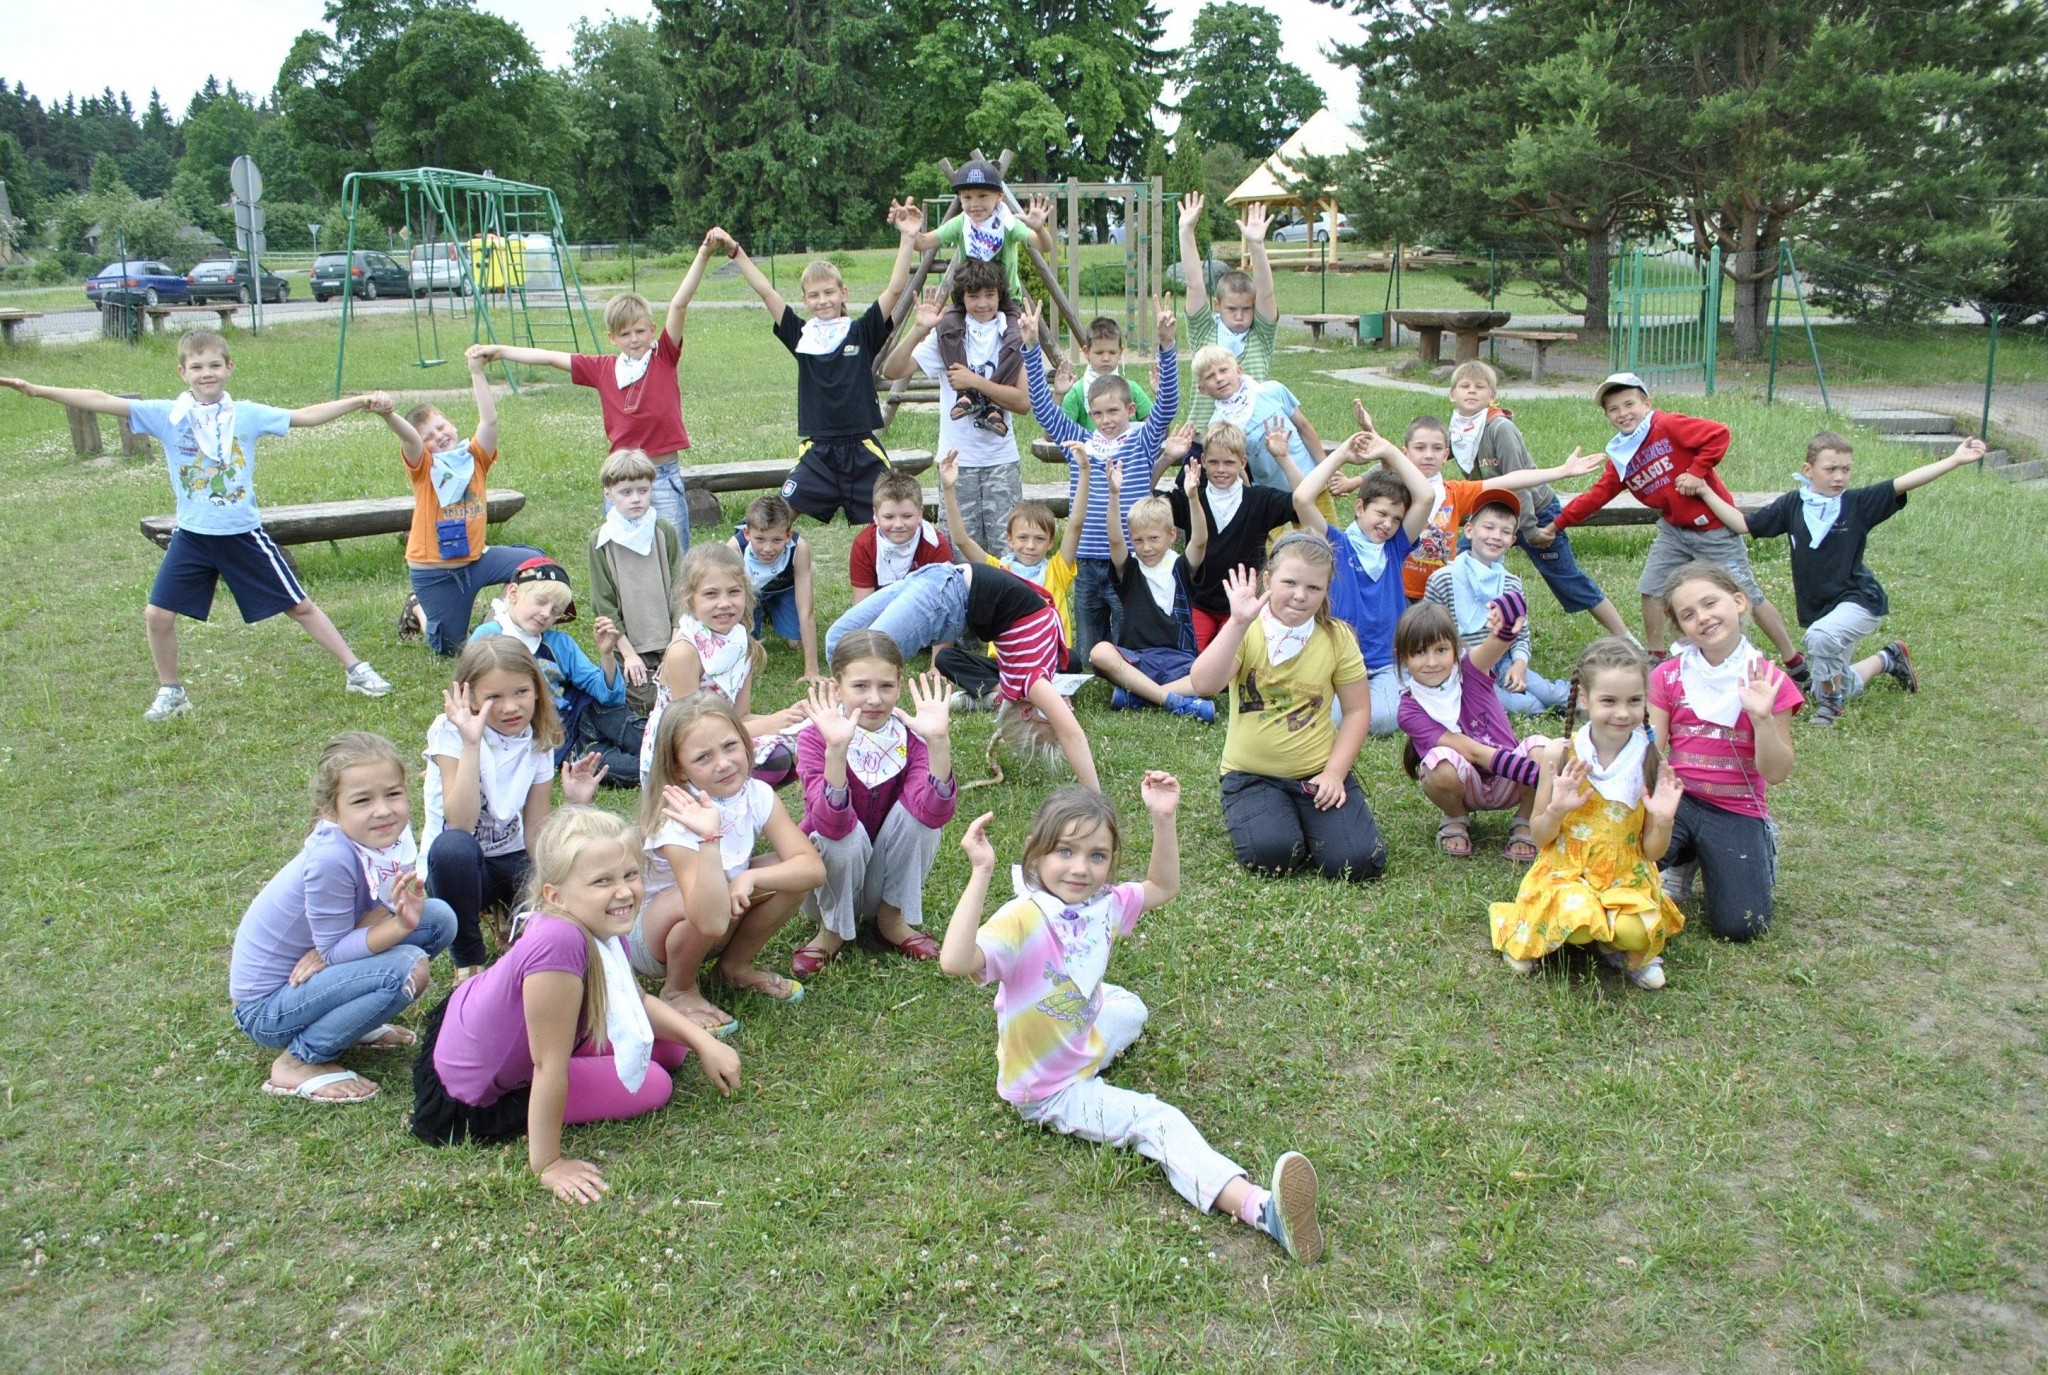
<point x="900" y="539"/>
<point x="1155" y="646"/>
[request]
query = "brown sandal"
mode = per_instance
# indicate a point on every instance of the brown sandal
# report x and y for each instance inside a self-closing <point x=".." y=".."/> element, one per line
<point x="1521" y="846"/>
<point x="1454" y="837"/>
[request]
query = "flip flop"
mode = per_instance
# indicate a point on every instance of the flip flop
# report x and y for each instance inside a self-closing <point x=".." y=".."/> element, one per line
<point x="915" y="946"/>
<point x="410" y="621"/>
<point x="309" y="1090"/>
<point x="373" y="1038"/>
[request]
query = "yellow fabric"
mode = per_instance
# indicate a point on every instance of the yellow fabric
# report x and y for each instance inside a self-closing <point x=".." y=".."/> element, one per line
<point x="1280" y="715"/>
<point x="1590" y="884"/>
<point x="1060" y="572"/>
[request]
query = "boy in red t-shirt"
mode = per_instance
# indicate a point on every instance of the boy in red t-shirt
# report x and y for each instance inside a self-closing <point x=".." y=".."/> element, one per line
<point x="1649" y="451"/>
<point x="637" y="387"/>
<point x="900" y="540"/>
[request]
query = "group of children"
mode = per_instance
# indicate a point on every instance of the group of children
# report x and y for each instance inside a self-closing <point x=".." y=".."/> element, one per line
<point x="1322" y="631"/>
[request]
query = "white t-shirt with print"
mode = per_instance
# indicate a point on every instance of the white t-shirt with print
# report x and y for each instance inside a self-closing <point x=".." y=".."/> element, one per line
<point x="495" y="835"/>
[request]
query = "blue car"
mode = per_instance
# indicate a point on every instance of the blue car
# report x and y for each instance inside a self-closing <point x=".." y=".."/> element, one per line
<point x="140" y="281"/>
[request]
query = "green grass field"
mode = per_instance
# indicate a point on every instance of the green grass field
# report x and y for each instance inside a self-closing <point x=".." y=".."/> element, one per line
<point x="1820" y="1152"/>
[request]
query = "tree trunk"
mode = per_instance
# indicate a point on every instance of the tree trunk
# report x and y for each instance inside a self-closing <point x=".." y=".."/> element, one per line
<point x="1752" y="274"/>
<point x="1599" y="271"/>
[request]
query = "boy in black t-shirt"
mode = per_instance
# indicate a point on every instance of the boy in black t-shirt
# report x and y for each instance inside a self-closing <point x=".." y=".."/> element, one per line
<point x="1240" y="516"/>
<point x="1838" y="599"/>
<point x="1155" y="646"/>
<point x="838" y="456"/>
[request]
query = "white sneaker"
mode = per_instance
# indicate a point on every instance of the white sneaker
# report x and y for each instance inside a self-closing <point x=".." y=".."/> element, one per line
<point x="1650" y="977"/>
<point x="1519" y="966"/>
<point x="170" y="701"/>
<point x="1678" y="880"/>
<point x="962" y="701"/>
<point x="366" y="680"/>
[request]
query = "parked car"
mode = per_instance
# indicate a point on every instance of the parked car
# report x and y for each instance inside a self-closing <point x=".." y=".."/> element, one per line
<point x="141" y="281"/>
<point x="438" y="267"/>
<point x="224" y="279"/>
<point x="368" y="275"/>
<point x="1298" y="232"/>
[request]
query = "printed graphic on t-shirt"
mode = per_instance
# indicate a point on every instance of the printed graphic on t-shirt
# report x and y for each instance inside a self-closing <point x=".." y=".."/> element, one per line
<point x="220" y="481"/>
<point x="1296" y="712"/>
<point x="1063" y="1001"/>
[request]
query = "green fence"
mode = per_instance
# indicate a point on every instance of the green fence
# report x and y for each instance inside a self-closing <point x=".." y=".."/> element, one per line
<point x="1663" y="317"/>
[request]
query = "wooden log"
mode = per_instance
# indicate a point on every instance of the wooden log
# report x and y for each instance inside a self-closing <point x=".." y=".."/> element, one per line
<point x="772" y="473"/>
<point x="338" y="520"/>
<point x="133" y="445"/>
<point x="85" y="432"/>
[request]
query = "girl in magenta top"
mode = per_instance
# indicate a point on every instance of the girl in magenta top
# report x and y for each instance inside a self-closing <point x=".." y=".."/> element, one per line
<point x="1723" y="713"/>
<point x="878" y="789"/>
<point x="558" y="1031"/>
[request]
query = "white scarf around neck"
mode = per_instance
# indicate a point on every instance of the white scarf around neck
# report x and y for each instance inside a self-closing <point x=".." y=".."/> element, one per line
<point x="1284" y="641"/>
<point x="1464" y="432"/>
<point x="626" y="369"/>
<point x="213" y="427"/>
<point x="1160" y="581"/>
<point x="1714" y="691"/>
<point x="1473" y="585"/>
<point x="1372" y="557"/>
<point x="1621" y="450"/>
<point x="381" y="867"/>
<point x="452" y="468"/>
<point x="505" y="771"/>
<point x="1085" y="933"/>
<point x="626" y="1024"/>
<point x="1237" y="408"/>
<point x="892" y="561"/>
<point x="875" y="757"/>
<point x="821" y="338"/>
<point x="1233" y="340"/>
<point x="985" y="340"/>
<point x="1031" y="572"/>
<point x="636" y="535"/>
<point x="985" y="240"/>
<point x="1224" y="503"/>
<point x="1622" y="780"/>
<point x="502" y="614"/>
<point x="1820" y="512"/>
<point x="1445" y="702"/>
<point x="724" y="657"/>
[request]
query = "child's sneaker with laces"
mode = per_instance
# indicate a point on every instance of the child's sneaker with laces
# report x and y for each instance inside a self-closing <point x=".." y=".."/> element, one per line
<point x="1290" y="1214"/>
<point x="1832" y="702"/>
<point x="1898" y="665"/>
<point x="967" y="701"/>
<point x="170" y="701"/>
<point x="1649" y="978"/>
<point x="1678" y="879"/>
<point x="366" y="680"/>
<point x="1121" y="700"/>
<point x="1201" y="708"/>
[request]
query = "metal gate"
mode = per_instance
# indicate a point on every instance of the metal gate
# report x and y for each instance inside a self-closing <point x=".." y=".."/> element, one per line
<point x="1664" y="317"/>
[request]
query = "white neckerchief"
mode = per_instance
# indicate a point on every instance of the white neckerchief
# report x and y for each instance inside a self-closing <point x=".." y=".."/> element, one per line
<point x="1473" y="585"/>
<point x="1821" y="512"/>
<point x="1464" y="432"/>
<point x="892" y="560"/>
<point x="1714" y="691"/>
<point x="1621" y="450"/>
<point x="724" y="657"/>
<point x="1283" y="641"/>
<point x="1230" y="339"/>
<point x="985" y="241"/>
<point x="452" y="469"/>
<point x="1224" y="503"/>
<point x="875" y="757"/>
<point x="626" y="369"/>
<point x="213" y="427"/>
<point x="1237" y="407"/>
<point x="1031" y="572"/>
<point x="1160" y="580"/>
<point x="1621" y="781"/>
<point x="636" y="535"/>
<point x="1103" y="448"/>
<point x="380" y="867"/>
<point x="1093" y="377"/>
<point x="1372" y="557"/>
<point x="502" y="614"/>
<point x="1085" y="933"/>
<point x="626" y="1024"/>
<point x="1445" y="702"/>
<point x="505" y="771"/>
<point x="1438" y="495"/>
<point x="985" y="340"/>
<point x="760" y="574"/>
<point x="823" y="337"/>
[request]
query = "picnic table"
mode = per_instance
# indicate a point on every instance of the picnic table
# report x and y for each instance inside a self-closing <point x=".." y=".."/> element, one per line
<point x="1430" y="326"/>
<point x="10" y="320"/>
<point x="1318" y="323"/>
<point x="158" y="314"/>
<point x="1540" y="340"/>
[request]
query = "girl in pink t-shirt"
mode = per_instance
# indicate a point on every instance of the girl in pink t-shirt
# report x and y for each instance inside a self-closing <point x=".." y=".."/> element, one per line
<point x="558" y="1031"/>
<point x="1724" y="714"/>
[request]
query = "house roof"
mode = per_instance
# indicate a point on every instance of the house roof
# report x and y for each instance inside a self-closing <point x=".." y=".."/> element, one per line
<point x="1324" y="135"/>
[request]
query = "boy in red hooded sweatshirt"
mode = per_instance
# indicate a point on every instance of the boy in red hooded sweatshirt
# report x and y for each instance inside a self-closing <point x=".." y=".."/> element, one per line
<point x="1649" y="451"/>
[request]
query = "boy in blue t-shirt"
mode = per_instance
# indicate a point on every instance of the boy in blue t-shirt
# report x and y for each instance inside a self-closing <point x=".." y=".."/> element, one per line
<point x="209" y="441"/>
<point x="1394" y="505"/>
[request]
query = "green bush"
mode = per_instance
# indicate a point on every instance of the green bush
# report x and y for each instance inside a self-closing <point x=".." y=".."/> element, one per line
<point x="1102" y="279"/>
<point x="51" y="271"/>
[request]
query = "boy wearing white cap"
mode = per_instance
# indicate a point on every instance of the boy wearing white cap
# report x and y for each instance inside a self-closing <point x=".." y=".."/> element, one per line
<point x="1650" y="450"/>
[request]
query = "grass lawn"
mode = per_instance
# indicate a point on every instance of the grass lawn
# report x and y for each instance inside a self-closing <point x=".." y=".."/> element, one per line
<point x="1819" y="1152"/>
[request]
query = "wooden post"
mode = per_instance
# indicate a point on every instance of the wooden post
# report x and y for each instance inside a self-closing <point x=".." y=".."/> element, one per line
<point x="133" y="445"/>
<point x="1157" y="274"/>
<point x="85" y="432"/>
<point x="1074" y="252"/>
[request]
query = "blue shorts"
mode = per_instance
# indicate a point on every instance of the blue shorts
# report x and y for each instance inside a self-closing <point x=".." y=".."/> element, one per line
<point x="254" y="567"/>
<point x="778" y="609"/>
<point x="1160" y="665"/>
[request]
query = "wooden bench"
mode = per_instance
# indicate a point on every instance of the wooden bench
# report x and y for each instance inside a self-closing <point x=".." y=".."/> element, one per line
<point x="1317" y="323"/>
<point x="87" y="440"/>
<point x="701" y="482"/>
<point x="10" y="319"/>
<point x="158" y="314"/>
<point x="1542" y="339"/>
<point x="339" y="520"/>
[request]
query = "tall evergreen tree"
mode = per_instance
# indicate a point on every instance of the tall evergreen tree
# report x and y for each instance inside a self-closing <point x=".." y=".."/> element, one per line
<point x="1235" y="85"/>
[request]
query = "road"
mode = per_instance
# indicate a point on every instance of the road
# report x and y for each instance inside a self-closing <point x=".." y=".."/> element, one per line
<point x="70" y="326"/>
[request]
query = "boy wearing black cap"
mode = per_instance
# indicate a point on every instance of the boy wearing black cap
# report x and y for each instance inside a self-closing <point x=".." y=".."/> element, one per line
<point x="986" y="228"/>
<point x="1650" y="450"/>
<point x="536" y="601"/>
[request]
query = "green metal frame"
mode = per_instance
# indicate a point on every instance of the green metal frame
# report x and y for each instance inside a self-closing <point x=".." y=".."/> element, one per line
<point x="478" y="207"/>
<point x="1664" y="315"/>
<point x="1788" y="266"/>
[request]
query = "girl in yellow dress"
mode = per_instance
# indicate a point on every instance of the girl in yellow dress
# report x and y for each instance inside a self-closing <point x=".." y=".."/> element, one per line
<point x="1602" y="820"/>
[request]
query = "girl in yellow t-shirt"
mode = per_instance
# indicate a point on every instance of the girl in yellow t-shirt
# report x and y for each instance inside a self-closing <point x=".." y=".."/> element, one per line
<point x="1289" y="798"/>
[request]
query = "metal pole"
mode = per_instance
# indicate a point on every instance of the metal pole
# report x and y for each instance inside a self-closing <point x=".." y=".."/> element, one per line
<point x="1777" y="322"/>
<point x="633" y="260"/>
<point x="1324" y="273"/>
<point x="1990" y="372"/>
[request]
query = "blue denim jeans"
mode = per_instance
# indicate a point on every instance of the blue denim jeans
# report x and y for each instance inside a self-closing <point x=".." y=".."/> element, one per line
<point x="926" y="608"/>
<point x="1098" y="614"/>
<point x="448" y="595"/>
<point x="322" y="1017"/>
<point x="1539" y="694"/>
<point x="670" y="501"/>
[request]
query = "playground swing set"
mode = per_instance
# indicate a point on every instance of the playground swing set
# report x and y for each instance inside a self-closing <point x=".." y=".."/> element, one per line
<point x="497" y="247"/>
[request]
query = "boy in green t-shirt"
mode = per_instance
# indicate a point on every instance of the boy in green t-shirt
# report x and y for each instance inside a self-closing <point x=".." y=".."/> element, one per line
<point x="1104" y="349"/>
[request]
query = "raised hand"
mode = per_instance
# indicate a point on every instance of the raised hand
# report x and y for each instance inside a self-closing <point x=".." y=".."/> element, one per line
<point x="1363" y="416"/>
<point x="830" y="718"/>
<point x="949" y="469"/>
<point x="691" y="811"/>
<point x="1161" y="791"/>
<point x="1241" y="585"/>
<point x="475" y="356"/>
<point x="1116" y="483"/>
<point x="931" y="703"/>
<point x="975" y="845"/>
<point x="580" y="778"/>
<point x="1063" y="376"/>
<point x="1582" y="464"/>
<point x="1028" y="316"/>
<point x="1191" y="206"/>
<point x="1191" y="481"/>
<point x="1077" y="450"/>
<point x="1969" y="451"/>
<point x="1180" y="443"/>
<point x="1568" y="791"/>
<point x="1760" y="690"/>
<point x="467" y="720"/>
<point x="409" y="899"/>
<point x="931" y="306"/>
<point x="377" y="403"/>
<point x="489" y="352"/>
<point x="605" y="632"/>
<point x="1167" y="323"/>
<point x="1037" y="211"/>
<point x="20" y="384"/>
<point x="1276" y="436"/>
<point x="1253" y="225"/>
<point x="721" y="241"/>
<point x="1663" y="800"/>
<point x="907" y="216"/>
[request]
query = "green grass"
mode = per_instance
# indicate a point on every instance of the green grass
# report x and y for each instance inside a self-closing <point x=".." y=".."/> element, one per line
<point x="1820" y="1152"/>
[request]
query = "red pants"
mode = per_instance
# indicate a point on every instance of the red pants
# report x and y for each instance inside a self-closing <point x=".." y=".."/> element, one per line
<point x="1207" y="623"/>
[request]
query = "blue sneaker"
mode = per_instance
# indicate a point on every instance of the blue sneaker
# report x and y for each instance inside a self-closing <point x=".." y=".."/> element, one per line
<point x="1290" y="1213"/>
<point x="1201" y="708"/>
<point x="1121" y="700"/>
